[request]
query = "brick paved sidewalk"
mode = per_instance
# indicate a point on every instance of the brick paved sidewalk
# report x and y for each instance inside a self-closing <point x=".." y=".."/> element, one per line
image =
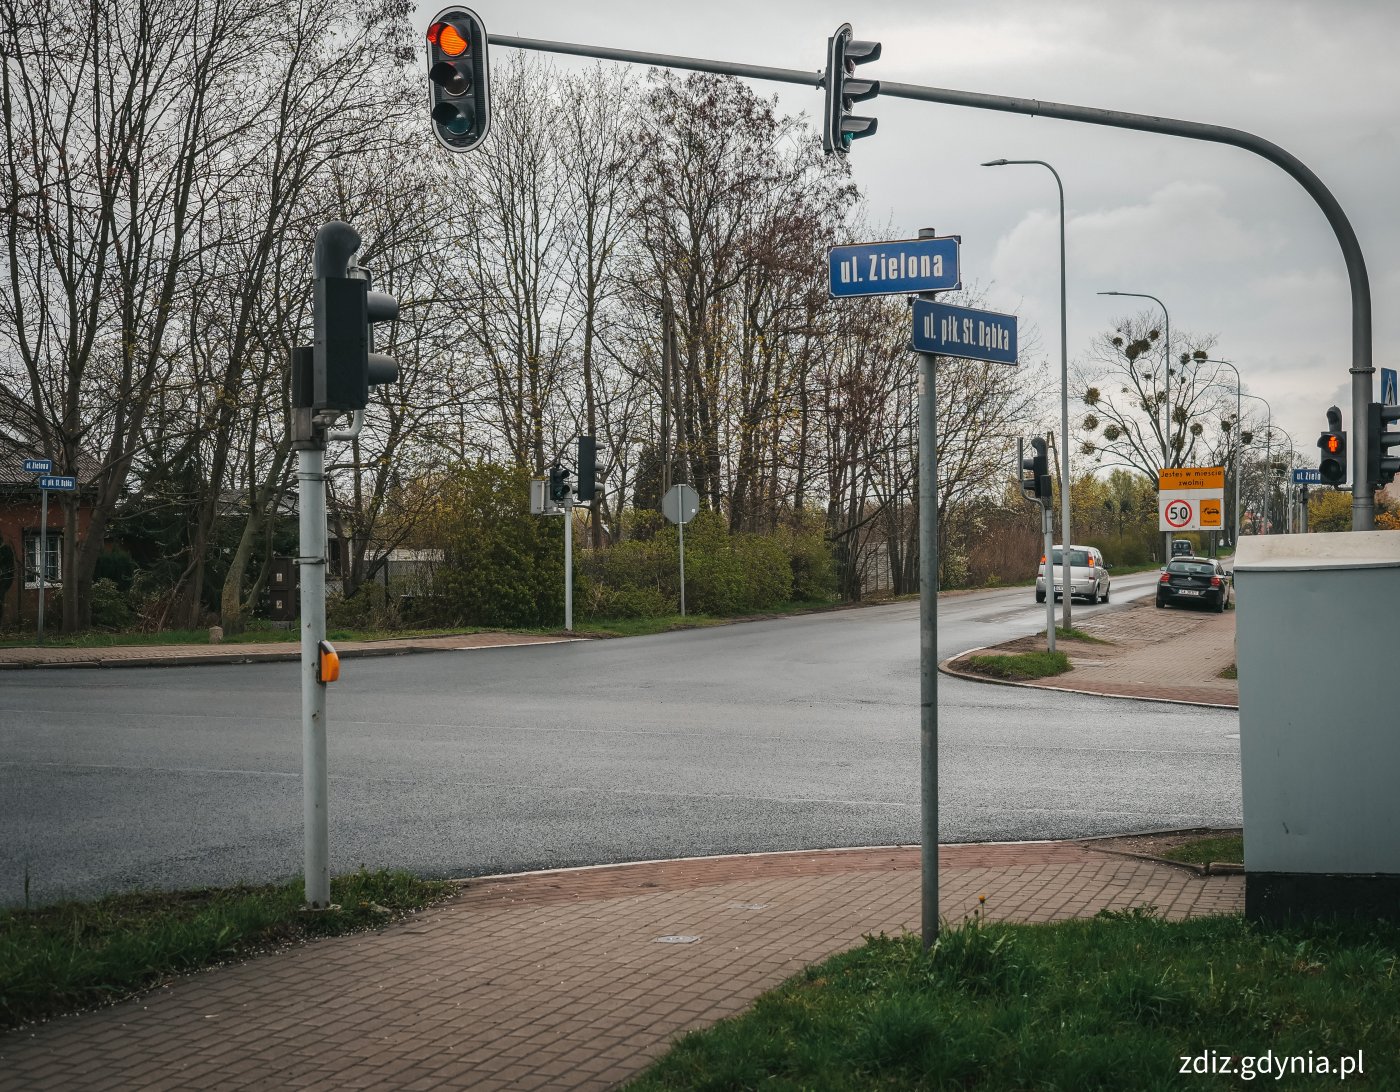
<point x="1167" y="655"/>
<point x="574" y="979"/>
<point x="172" y="655"/>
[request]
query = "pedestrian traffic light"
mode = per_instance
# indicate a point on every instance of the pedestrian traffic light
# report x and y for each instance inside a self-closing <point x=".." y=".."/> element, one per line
<point x="1380" y="467"/>
<point x="342" y="366"/>
<point x="458" y="90"/>
<point x="1037" y="486"/>
<point x="1332" y="464"/>
<point x="558" y="484"/>
<point x="590" y="471"/>
<point x="843" y="91"/>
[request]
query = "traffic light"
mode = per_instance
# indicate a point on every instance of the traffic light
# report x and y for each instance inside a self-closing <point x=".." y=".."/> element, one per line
<point x="558" y="484"/>
<point x="458" y="92"/>
<point x="342" y="366"/>
<point x="1037" y="487"/>
<point x="590" y="470"/>
<point x="1380" y="467"/>
<point x="1332" y="464"/>
<point x="843" y="91"/>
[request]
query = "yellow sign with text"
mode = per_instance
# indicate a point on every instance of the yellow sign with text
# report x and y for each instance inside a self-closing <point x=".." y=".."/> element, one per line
<point x="1191" y="477"/>
<point x="1210" y="514"/>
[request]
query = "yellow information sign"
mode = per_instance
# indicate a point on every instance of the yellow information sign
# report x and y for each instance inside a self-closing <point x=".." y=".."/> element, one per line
<point x="1191" y="477"/>
<point x="1210" y="514"/>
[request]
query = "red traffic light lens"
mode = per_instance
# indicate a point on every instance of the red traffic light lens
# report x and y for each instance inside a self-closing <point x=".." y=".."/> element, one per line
<point x="448" y="39"/>
<point x="1333" y="444"/>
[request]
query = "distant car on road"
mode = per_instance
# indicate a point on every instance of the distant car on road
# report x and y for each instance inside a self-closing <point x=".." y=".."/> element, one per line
<point x="1199" y="581"/>
<point x="1181" y="547"/>
<point x="1088" y="575"/>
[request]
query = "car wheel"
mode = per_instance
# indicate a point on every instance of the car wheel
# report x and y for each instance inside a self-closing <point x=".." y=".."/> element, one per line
<point x="1040" y="597"/>
<point x="1220" y="606"/>
<point x="1105" y="596"/>
<point x="1160" y="604"/>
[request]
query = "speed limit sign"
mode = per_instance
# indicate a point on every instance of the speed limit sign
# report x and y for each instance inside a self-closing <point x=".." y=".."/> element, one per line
<point x="1189" y="498"/>
<point x="1178" y="514"/>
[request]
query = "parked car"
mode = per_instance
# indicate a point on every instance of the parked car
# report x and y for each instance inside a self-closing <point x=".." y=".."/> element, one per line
<point x="1088" y="575"/>
<point x="1199" y="581"/>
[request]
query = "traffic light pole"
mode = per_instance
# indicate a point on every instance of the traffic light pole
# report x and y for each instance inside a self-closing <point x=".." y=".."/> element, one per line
<point x="1362" y="367"/>
<point x="311" y="559"/>
<point x="569" y="564"/>
<point x="1047" y="532"/>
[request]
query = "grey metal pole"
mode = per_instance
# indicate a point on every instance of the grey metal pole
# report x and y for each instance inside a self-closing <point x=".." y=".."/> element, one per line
<point x="1362" y="368"/>
<point x="569" y="564"/>
<point x="1047" y="530"/>
<point x="680" y="529"/>
<point x="311" y="503"/>
<point x="928" y="646"/>
<point x="1238" y="445"/>
<point x="1065" y="537"/>
<point x="43" y="553"/>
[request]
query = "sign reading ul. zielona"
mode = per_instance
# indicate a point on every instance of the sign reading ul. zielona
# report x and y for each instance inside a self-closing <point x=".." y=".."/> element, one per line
<point x="1189" y="498"/>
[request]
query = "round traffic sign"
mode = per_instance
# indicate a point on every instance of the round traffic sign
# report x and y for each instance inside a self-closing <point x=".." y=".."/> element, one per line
<point x="1178" y="513"/>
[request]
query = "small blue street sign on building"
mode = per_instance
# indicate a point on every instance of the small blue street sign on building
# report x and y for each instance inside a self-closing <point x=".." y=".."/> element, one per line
<point x="38" y="466"/>
<point x="891" y="269"/>
<point x="962" y="331"/>
<point x="1390" y="395"/>
<point x="1307" y="476"/>
<point x="58" y="481"/>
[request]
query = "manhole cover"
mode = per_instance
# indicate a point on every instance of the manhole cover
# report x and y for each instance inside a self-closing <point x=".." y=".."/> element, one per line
<point x="676" y="939"/>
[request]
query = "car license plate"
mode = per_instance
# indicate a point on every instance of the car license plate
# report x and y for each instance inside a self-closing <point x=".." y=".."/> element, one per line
<point x="1187" y="591"/>
<point x="1058" y="589"/>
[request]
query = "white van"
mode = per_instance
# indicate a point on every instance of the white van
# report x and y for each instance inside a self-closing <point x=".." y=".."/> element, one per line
<point x="1088" y="575"/>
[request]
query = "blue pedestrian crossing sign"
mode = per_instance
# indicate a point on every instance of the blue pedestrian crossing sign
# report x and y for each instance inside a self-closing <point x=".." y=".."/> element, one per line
<point x="1390" y="396"/>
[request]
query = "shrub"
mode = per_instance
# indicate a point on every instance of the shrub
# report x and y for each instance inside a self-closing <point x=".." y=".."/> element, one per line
<point x="110" y="607"/>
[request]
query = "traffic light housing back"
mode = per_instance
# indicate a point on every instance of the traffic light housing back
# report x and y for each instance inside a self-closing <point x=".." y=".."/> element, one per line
<point x="843" y="90"/>
<point x="1380" y="467"/>
<point x="1332" y="462"/>
<point x="459" y="101"/>
<point x="342" y="366"/>
<point x="590" y="470"/>
<point x="1037" y="486"/>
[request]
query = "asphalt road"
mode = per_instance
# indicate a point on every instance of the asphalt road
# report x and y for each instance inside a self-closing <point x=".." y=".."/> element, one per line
<point x="786" y="734"/>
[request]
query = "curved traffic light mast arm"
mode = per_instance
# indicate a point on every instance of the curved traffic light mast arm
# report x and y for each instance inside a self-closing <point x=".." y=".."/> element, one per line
<point x="1362" y="370"/>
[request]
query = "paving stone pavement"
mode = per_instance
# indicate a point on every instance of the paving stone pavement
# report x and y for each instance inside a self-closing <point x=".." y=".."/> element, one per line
<point x="561" y="980"/>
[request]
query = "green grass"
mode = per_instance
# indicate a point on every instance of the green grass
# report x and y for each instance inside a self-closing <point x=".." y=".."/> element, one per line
<point x="79" y="955"/>
<point x="253" y="635"/>
<point x="1020" y="665"/>
<point x="1073" y="634"/>
<point x="1103" y="1004"/>
<point x="1229" y="673"/>
<point x="1228" y="848"/>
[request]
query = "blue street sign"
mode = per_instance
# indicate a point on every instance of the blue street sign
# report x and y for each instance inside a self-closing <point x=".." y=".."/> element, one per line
<point x="38" y="466"/>
<point x="890" y="269"/>
<point x="58" y="481"/>
<point x="961" y="331"/>
<point x="1307" y="476"/>
<point x="1390" y="396"/>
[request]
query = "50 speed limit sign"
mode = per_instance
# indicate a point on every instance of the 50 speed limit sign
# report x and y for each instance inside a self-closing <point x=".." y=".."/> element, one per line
<point x="1179" y="514"/>
<point x="1189" y="498"/>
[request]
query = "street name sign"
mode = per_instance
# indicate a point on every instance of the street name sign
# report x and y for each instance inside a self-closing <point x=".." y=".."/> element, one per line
<point x="961" y="331"/>
<point x="38" y="466"/>
<point x="893" y="269"/>
<point x="58" y="481"/>
<point x="1190" y="498"/>
<point x="1307" y="476"/>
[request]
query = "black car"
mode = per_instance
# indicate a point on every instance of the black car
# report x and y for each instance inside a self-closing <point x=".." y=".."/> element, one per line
<point x="1200" y="581"/>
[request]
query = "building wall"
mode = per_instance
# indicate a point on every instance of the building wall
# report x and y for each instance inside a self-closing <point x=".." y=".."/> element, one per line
<point x="19" y="514"/>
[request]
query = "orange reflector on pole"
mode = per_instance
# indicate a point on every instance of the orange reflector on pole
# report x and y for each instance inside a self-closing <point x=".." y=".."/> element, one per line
<point x="327" y="663"/>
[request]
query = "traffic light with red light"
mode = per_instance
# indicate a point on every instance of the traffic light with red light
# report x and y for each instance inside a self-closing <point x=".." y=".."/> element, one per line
<point x="843" y="90"/>
<point x="1332" y="464"/>
<point x="458" y="88"/>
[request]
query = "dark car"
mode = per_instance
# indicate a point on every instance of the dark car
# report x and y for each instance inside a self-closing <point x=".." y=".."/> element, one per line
<point x="1200" y="581"/>
<point x="1181" y="547"/>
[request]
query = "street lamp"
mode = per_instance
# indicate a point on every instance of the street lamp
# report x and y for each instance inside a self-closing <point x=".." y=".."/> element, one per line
<point x="1201" y="358"/>
<point x="1167" y="432"/>
<point x="1064" y="389"/>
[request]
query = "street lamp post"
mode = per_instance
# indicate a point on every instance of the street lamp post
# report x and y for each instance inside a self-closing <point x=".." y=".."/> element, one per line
<point x="1202" y="359"/>
<point x="1268" y="440"/>
<point x="1064" y="396"/>
<point x="1167" y="381"/>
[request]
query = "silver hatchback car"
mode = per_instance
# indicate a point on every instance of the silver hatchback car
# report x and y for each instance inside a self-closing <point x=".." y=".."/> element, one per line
<point x="1088" y="575"/>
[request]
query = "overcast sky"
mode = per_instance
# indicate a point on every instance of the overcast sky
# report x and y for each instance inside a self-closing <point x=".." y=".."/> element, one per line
<point x="1230" y="243"/>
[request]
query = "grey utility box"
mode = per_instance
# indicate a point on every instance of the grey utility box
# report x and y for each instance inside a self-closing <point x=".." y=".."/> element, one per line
<point x="1319" y="723"/>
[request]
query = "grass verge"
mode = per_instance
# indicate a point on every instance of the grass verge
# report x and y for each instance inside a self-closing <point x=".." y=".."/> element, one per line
<point x="1112" y="1002"/>
<point x="1228" y="848"/>
<point x="253" y="635"/>
<point x="1019" y="665"/>
<point x="1073" y="634"/>
<point x="1229" y="673"/>
<point x="79" y="955"/>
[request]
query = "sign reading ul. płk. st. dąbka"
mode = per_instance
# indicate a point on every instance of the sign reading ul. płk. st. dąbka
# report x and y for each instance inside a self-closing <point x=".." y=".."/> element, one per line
<point x="58" y="481"/>
<point x="891" y="269"/>
<point x="965" y="332"/>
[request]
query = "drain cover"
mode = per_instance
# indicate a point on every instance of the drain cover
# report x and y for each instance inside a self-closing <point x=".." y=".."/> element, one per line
<point x="676" y="939"/>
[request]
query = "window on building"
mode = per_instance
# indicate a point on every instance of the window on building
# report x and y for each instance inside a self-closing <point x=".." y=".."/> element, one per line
<point x="53" y="558"/>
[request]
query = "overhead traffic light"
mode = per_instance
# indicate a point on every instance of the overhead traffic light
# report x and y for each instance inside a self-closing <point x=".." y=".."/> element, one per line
<point x="558" y="484"/>
<point x="590" y="471"/>
<point x="1332" y="464"/>
<point x="343" y="368"/>
<point x="1380" y="467"/>
<point x="1037" y="486"/>
<point x="458" y="89"/>
<point x="843" y="91"/>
